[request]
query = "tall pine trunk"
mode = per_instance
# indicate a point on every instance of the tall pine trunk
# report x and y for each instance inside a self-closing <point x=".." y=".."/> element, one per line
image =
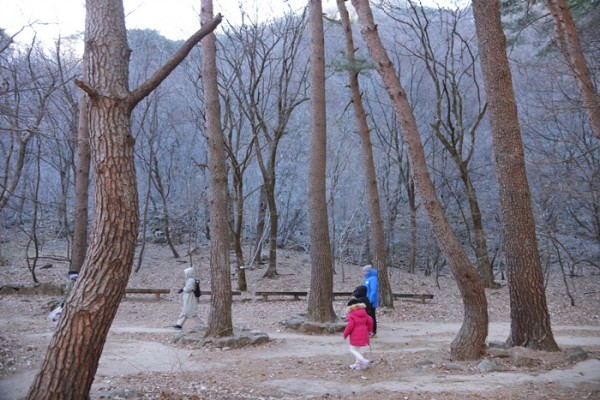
<point x="530" y="320"/>
<point x="72" y="357"/>
<point x="219" y="319"/>
<point x="320" y="299"/>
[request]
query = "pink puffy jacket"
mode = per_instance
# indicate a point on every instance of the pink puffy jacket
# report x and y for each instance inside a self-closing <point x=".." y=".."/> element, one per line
<point x="360" y="324"/>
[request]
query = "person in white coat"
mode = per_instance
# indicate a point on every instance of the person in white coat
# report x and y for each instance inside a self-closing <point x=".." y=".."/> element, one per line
<point x="190" y="301"/>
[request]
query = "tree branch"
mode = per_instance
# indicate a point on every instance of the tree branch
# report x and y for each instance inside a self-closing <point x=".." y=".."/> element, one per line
<point x="91" y="92"/>
<point x="161" y="74"/>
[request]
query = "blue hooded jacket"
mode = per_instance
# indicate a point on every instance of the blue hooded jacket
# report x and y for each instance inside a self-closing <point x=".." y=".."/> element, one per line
<point x="372" y="284"/>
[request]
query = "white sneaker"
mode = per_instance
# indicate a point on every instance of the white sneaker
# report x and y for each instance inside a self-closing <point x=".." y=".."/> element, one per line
<point x="355" y="366"/>
<point x="364" y="364"/>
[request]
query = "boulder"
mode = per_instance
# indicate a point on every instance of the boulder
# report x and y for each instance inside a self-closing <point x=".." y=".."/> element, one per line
<point x="522" y="357"/>
<point x="576" y="354"/>
<point x="489" y="366"/>
<point x="455" y="367"/>
<point x="499" y="353"/>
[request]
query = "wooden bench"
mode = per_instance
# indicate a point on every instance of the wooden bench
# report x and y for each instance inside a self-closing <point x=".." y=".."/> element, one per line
<point x="233" y="293"/>
<point x="342" y="294"/>
<point x="421" y="297"/>
<point x="266" y="295"/>
<point x="156" y="292"/>
<point x="297" y="294"/>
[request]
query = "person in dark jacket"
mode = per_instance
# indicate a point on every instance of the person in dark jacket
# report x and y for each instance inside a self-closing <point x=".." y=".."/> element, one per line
<point x="360" y="294"/>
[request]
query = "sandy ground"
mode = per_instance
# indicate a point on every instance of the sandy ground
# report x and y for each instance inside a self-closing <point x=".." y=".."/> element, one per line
<point x="410" y="358"/>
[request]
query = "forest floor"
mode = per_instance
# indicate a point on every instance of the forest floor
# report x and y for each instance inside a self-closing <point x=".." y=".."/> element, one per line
<point x="410" y="358"/>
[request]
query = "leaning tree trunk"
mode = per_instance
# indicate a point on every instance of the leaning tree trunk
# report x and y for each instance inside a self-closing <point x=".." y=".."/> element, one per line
<point x="386" y="299"/>
<point x="72" y="357"/>
<point x="530" y="320"/>
<point x="470" y="340"/>
<point x="219" y="319"/>
<point x="568" y="42"/>
<point x="320" y="299"/>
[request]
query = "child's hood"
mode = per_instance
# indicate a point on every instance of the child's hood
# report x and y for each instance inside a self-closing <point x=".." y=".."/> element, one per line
<point x="357" y="306"/>
<point x="360" y="291"/>
<point x="371" y="273"/>
<point x="189" y="273"/>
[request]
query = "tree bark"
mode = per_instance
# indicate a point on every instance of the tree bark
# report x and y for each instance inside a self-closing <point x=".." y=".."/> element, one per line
<point x="412" y="206"/>
<point x="219" y="319"/>
<point x="379" y="255"/>
<point x="72" y="357"/>
<point x="568" y="42"/>
<point x="470" y="340"/>
<point x="238" y="189"/>
<point x="320" y="299"/>
<point x="530" y="320"/>
<point x="260" y="224"/>
<point x="82" y="185"/>
<point x="271" y="271"/>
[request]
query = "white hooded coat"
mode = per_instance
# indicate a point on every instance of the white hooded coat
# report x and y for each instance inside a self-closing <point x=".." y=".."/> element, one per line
<point x="190" y="302"/>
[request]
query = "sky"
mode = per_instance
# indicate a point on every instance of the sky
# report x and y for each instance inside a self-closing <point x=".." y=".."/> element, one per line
<point x="174" y="19"/>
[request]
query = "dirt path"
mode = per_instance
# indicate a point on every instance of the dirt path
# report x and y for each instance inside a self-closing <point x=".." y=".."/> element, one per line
<point x="410" y="358"/>
<point x="295" y="365"/>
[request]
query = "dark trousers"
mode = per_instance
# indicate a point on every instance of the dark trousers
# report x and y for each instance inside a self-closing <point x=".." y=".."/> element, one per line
<point x="374" y="320"/>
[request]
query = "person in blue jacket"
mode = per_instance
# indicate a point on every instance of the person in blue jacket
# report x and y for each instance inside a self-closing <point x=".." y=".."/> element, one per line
<point x="372" y="284"/>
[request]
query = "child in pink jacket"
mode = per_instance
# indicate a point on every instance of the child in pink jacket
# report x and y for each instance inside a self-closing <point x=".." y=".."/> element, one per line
<point x="359" y="328"/>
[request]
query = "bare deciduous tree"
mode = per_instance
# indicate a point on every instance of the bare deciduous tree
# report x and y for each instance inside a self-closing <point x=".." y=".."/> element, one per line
<point x="272" y="82"/>
<point x="451" y="64"/>
<point x="21" y="125"/>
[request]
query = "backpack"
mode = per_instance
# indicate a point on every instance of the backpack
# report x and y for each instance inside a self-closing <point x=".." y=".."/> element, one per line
<point x="197" y="291"/>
